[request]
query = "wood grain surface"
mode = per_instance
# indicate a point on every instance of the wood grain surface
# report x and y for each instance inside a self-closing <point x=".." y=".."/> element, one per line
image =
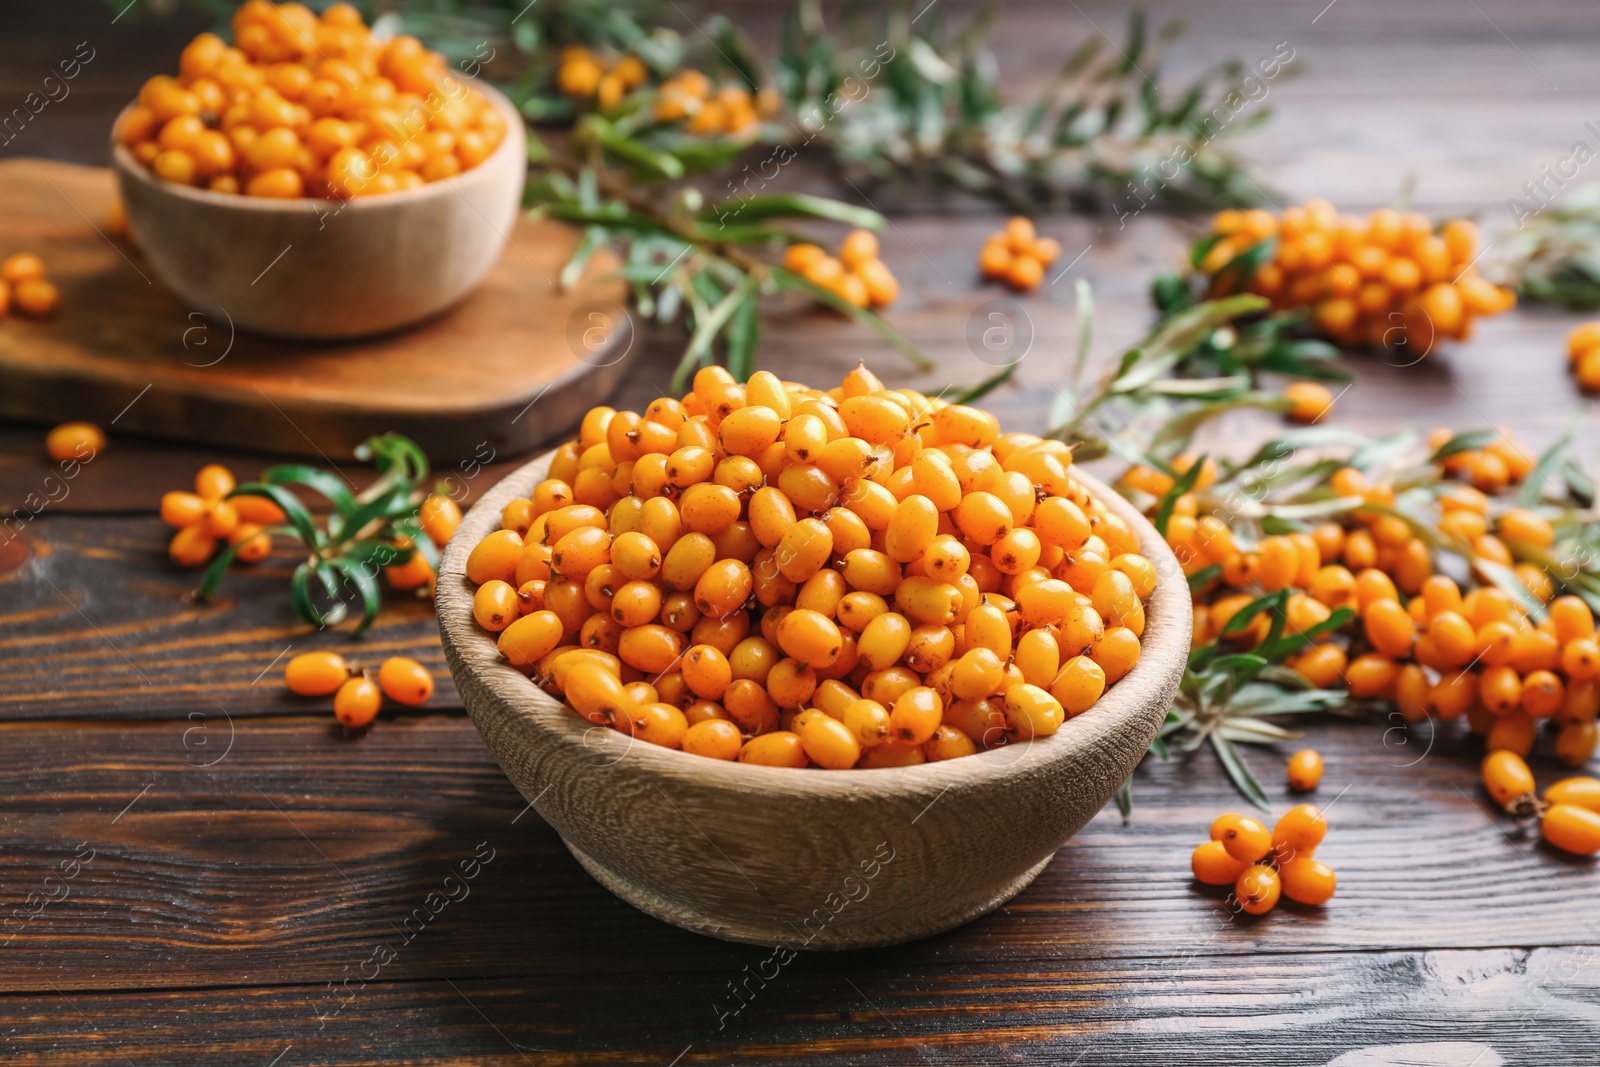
<point x="124" y="351"/>
<point x="215" y="924"/>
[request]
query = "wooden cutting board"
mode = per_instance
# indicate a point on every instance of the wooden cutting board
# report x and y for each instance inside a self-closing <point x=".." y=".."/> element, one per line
<point x="509" y="368"/>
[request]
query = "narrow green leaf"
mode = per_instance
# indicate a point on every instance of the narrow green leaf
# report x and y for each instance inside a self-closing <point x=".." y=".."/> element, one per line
<point x="363" y="576"/>
<point x="215" y="572"/>
<point x="793" y="205"/>
<point x="328" y="485"/>
<point x="304" y="526"/>
<point x="1204" y="577"/>
<point x="1548" y="464"/>
<point x="1278" y="602"/>
<point x="1466" y="441"/>
<point x="974" y="393"/>
<point x="1239" y="773"/>
<point x="1169" y="499"/>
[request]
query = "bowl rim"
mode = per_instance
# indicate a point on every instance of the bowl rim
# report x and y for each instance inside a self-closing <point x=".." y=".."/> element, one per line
<point x="513" y="143"/>
<point x="548" y="721"/>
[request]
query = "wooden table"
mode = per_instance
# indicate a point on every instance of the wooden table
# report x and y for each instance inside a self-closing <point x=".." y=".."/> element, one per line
<point x="196" y="867"/>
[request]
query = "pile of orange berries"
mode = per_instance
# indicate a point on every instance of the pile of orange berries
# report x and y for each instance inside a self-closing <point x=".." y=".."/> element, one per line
<point x="1496" y="466"/>
<point x="1387" y="280"/>
<point x="1569" y="812"/>
<point x="707" y="110"/>
<point x="206" y="517"/>
<point x="357" y="699"/>
<point x="1017" y="255"/>
<point x="1263" y="867"/>
<point x="308" y="106"/>
<point x="26" y="286"/>
<point x="857" y="577"/>
<point x="856" y="275"/>
<point x="583" y="74"/>
<point x="1583" y="352"/>
<point x="1423" y="642"/>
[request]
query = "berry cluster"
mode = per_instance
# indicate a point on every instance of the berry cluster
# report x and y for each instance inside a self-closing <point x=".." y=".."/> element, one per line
<point x="1262" y="867"/>
<point x="857" y="577"/>
<point x="1423" y="642"/>
<point x="1388" y="280"/>
<point x="204" y="519"/>
<point x="1569" y="812"/>
<point x="1017" y="255"/>
<point x="357" y="699"/>
<point x="26" y="286"/>
<point x="856" y="275"/>
<point x="308" y="106"/>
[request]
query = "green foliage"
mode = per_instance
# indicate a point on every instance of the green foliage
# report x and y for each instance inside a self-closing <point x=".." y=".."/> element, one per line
<point x="362" y="534"/>
<point x="1554" y="257"/>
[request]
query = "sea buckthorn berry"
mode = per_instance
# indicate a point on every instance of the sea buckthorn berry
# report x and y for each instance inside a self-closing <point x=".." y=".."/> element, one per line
<point x="809" y="637"/>
<point x="192" y="545"/>
<point x="947" y="742"/>
<point x="829" y="743"/>
<point x="983" y="517"/>
<point x="1258" y="889"/>
<point x="495" y="557"/>
<point x="780" y="748"/>
<point x="1117" y="653"/>
<point x="1307" y="881"/>
<point x="1244" y="838"/>
<point x="915" y="716"/>
<point x="1572" y="829"/>
<point x="1506" y="776"/>
<point x="1576" y="743"/>
<point x="1078" y="685"/>
<point x="182" y="509"/>
<point x="1213" y="865"/>
<point x="439" y="516"/>
<point x="1582" y="791"/>
<point x="1298" y="833"/>
<point x="357" y="702"/>
<point x="80" y="441"/>
<point x="714" y="739"/>
<point x="315" y="674"/>
<point x="531" y="637"/>
<point x="405" y="681"/>
<point x="1032" y="712"/>
<point x="1305" y="770"/>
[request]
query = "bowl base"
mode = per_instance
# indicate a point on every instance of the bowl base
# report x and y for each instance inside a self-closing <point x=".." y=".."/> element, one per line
<point x="924" y="925"/>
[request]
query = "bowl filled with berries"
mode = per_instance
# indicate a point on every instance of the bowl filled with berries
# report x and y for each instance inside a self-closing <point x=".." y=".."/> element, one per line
<point x="311" y="181"/>
<point x="818" y="668"/>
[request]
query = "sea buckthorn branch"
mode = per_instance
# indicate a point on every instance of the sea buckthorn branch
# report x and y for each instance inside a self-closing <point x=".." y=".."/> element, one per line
<point x="685" y="259"/>
<point x="935" y="115"/>
<point x="1191" y="368"/>
<point x="1554" y="256"/>
<point x="1456" y="588"/>
<point x="1390" y="281"/>
<point x="392" y="527"/>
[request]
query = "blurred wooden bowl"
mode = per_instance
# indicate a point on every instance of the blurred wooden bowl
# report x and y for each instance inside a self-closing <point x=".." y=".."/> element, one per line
<point x="808" y="858"/>
<point x="315" y="269"/>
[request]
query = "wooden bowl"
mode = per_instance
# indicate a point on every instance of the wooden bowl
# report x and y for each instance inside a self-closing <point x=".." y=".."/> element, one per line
<point x="314" y="269"/>
<point x="808" y="858"/>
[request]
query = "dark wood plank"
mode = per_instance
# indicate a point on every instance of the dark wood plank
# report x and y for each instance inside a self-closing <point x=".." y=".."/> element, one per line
<point x="1443" y="1008"/>
<point x="99" y="623"/>
<point x="230" y="852"/>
